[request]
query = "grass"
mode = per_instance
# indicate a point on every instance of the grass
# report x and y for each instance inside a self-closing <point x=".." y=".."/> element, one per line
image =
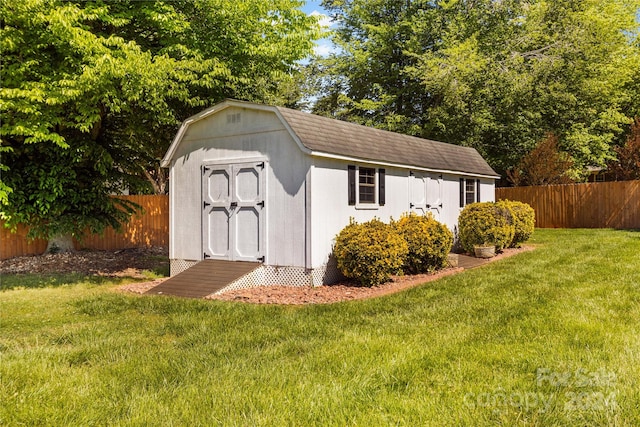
<point x="549" y="337"/>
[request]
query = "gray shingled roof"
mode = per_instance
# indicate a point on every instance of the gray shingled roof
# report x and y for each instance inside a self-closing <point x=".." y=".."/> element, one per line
<point x="322" y="134"/>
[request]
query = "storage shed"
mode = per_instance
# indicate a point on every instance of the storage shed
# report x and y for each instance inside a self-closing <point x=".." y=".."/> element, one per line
<point x="274" y="186"/>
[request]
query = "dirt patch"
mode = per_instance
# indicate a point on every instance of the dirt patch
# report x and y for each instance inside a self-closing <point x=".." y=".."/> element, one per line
<point x="347" y="291"/>
<point x="121" y="263"/>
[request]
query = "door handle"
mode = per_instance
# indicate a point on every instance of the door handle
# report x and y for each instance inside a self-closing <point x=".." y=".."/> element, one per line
<point x="234" y="205"/>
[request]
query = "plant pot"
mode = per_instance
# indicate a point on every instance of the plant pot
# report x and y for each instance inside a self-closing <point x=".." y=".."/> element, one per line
<point x="452" y="259"/>
<point x="484" y="251"/>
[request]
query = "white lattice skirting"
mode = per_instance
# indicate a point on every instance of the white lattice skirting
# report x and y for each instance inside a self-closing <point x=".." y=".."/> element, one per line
<point x="177" y="266"/>
<point x="269" y="275"/>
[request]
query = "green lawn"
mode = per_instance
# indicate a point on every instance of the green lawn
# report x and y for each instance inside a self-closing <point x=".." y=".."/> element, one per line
<point x="549" y="337"/>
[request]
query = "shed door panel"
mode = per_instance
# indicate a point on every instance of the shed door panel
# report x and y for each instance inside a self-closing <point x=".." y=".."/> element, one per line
<point x="247" y="219"/>
<point x="247" y="237"/>
<point x="418" y="192"/>
<point x="216" y="204"/>
<point x="233" y="204"/>
<point x="434" y="196"/>
<point x="218" y="243"/>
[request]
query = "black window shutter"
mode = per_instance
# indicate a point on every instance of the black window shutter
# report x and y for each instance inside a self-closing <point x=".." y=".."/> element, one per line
<point x="381" y="185"/>
<point x="462" y="192"/>
<point x="477" y="190"/>
<point x="351" y="174"/>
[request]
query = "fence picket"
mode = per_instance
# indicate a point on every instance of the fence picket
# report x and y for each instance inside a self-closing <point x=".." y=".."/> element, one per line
<point x="590" y="205"/>
<point x="151" y="228"/>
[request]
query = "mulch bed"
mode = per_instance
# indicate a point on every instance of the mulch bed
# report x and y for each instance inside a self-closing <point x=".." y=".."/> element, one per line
<point x="347" y="291"/>
<point x="121" y="263"/>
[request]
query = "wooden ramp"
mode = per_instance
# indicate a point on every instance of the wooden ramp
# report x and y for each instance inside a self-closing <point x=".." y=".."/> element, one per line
<point x="204" y="278"/>
<point x="466" y="261"/>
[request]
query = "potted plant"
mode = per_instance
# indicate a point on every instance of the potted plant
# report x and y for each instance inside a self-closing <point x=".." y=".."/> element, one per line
<point x="485" y="250"/>
<point x="485" y="228"/>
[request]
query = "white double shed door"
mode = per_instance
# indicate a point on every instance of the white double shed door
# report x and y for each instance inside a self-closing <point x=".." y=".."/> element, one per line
<point x="426" y="193"/>
<point x="233" y="211"/>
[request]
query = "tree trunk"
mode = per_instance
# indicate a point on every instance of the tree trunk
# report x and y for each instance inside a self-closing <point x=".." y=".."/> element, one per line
<point x="60" y="243"/>
<point x="158" y="179"/>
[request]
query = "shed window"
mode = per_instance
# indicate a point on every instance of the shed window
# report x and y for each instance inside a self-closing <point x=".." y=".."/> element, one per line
<point x="469" y="191"/>
<point x="366" y="185"/>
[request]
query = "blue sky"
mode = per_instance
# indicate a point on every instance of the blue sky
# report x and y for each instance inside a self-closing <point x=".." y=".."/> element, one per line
<point x="310" y="6"/>
<point x="324" y="46"/>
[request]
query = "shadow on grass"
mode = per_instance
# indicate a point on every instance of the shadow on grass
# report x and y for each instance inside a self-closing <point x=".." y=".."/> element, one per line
<point x="10" y="282"/>
<point x="161" y="270"/>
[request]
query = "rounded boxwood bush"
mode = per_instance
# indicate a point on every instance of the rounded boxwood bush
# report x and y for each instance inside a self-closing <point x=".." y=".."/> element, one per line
<point x="369" y="252"/>
<point x="429" y="242"/>
<point x="485" y="223"/>
<point x="524" y="221"/>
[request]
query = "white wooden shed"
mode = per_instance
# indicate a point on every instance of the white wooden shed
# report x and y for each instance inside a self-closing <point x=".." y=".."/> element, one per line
<point x="272" y="185"/>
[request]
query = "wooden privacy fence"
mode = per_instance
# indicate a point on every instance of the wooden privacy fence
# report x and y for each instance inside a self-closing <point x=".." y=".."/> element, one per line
<point x="593" y="205"/>
<point x="151" y="228"/>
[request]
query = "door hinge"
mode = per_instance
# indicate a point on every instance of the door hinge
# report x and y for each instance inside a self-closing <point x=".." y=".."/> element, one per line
<point x="411" y="205"/>
<point x="205" y="204"/>
<point x="261" y="204"/>
<point x="261" y="259"/>
<point x="205" y="255"/>
<point x="204" y="170"/>
<point x="260" y="165"/>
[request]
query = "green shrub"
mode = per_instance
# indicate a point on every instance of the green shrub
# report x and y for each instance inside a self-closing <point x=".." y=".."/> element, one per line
<point x="429" y="242"/>
<point x="485" y="223"/>
<point x="370" y="252"/>
<point x="524" y="221"/>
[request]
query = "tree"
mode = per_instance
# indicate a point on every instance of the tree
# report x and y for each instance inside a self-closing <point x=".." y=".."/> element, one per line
<point x="544" y="165"/>
<point x="626" y="166"/>
<point x="494" y="75"/>
<point x="367" y="82"/>
<point x="92" y="93"/>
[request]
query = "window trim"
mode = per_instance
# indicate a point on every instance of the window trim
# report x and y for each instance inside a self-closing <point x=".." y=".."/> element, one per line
<point x="470" y="192"/>
<point x="464" y="182"/>
<point x="371" y="186"/>
<point x="379" y="187"/>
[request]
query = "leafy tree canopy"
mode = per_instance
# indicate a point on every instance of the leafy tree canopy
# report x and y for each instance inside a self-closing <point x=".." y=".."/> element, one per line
<point x="93" y="91"/>
<point x="627" y="164"/>
<point x="494" y="75"/>
<point x="544" y="165"/>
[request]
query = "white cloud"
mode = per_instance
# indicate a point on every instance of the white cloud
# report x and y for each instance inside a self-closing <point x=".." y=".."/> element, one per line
<point x="325" y="48"/>
<point x="324" y="20"/>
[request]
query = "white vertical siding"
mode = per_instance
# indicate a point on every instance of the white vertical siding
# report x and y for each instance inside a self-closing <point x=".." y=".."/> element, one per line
<point x="331" y="211"/>
<point x="487" y="190"/>
<point x="251" y="135"/>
